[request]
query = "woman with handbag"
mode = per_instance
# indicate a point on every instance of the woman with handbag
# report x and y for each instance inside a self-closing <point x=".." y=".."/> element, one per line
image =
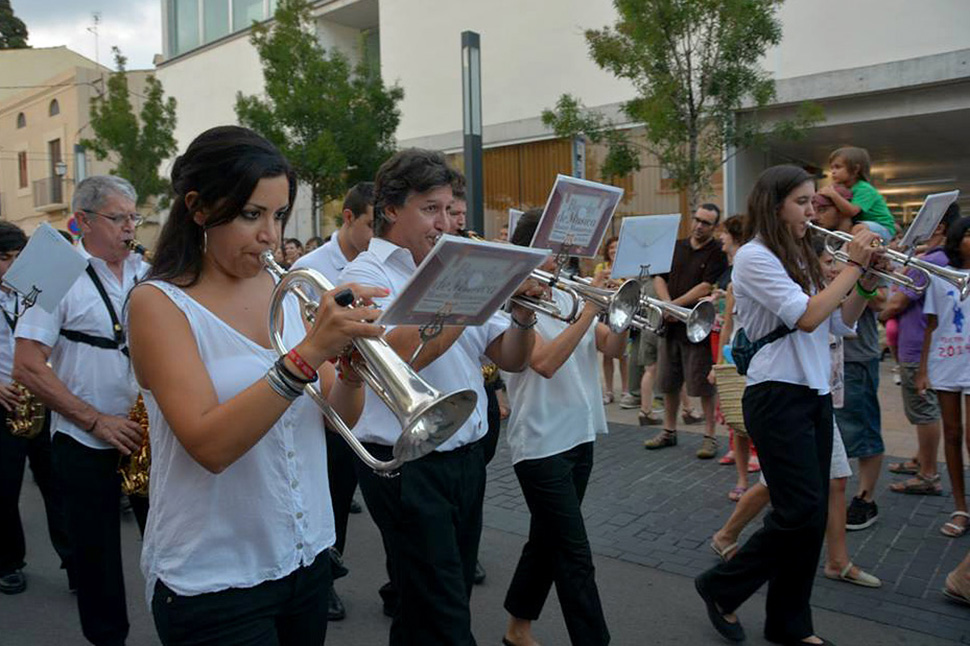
<point x="778" y="287"/>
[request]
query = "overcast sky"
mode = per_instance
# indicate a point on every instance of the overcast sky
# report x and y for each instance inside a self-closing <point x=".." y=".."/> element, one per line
<point x="134" y="26"/>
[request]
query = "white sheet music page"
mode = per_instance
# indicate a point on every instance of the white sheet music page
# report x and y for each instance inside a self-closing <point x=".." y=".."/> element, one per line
<point x="645" y="241"/>
<point x="48" y="264"/>
<point x="462" y="282"/>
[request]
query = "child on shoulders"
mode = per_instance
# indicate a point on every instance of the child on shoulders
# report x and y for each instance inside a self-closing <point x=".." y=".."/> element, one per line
<point x="849" y="167"/>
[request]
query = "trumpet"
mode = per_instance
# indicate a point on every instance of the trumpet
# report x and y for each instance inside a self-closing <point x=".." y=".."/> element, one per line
<point x="427" y="416"/>
<point x="698" y="319"/>
<point x="619" y="305"/>
<point x="957" y="278"/>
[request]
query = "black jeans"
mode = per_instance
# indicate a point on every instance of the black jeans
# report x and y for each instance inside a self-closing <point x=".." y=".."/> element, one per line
<point x="14" y="454"/>
<point x="291" y="611"/>
<point x="558" y="549"/>
<point x="90" y="485"/>
<point x="792" y="427"/>
<point x="343" y="483"/>
<point x="430" y="517"/>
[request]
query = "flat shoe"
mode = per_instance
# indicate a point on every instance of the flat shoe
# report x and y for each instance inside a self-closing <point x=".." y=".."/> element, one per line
<point x="864" y="579"/>
<point x="733" y="632"/>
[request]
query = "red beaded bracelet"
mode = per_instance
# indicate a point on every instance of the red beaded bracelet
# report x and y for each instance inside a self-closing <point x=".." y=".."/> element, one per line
<point x="302" y="365"/>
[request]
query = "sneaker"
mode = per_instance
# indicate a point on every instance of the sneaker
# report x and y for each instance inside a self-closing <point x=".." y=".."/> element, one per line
<point x="860" y="514"/>
<point x="708" y="448"/>
<point x="897" y="379"/>
<point x="629" y="400"/>
<point x="607" y="398"/>
<point x="13" y="583"/>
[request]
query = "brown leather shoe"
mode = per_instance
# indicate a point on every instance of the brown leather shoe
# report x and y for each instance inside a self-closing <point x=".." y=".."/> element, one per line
<point x="661" y="440"/>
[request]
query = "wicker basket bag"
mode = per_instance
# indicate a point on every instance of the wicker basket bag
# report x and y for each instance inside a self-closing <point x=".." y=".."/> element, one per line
<point x="730" y="388"/>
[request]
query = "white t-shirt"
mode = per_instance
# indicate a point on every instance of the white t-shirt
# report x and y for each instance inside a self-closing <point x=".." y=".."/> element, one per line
<point x="553" y="415"/>
<point x="98" y="376"/>
<point x="948" y="364"/>
<point x="269" y="512"/>
<point x="766" y="297"/>
<point x="384" y="264"/>
<point x="10" y="303"/>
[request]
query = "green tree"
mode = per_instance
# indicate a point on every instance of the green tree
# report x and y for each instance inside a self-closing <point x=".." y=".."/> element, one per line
<point x="13" y="31"/>
<point x="137" y="144"/>
<point x="334" y="121"/>
<point x="693" y="64"/>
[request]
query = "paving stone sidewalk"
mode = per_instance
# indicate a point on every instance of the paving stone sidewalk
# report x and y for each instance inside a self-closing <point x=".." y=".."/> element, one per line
<point x="660" y="508"/>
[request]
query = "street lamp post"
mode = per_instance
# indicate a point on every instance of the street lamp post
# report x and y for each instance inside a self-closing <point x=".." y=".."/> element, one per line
<point x="471" y="82"/>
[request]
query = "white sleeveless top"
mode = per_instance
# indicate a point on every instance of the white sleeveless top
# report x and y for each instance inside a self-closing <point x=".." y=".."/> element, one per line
<point x="264" y="516"/>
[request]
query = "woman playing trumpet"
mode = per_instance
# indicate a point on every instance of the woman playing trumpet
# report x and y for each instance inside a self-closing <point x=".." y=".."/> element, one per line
<point x="240" y="508"/>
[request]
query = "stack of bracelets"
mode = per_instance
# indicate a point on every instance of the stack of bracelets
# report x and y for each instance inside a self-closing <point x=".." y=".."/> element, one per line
<point x="286" y="384"/>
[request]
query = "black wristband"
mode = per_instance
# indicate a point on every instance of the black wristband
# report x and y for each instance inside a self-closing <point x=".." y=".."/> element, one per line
<point x="281" y="365"/>
<point x="524" y="326"/>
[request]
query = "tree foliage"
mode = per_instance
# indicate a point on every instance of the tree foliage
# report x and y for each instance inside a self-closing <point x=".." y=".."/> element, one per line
<point x="13" y="31"/>
<point x="334" y="121"/>
<point x="137" y="144"/>
<point x="692" y="64"/>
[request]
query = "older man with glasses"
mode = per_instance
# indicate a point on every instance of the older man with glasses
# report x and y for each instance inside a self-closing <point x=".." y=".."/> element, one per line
<point x="89" y="388"/>
<point x="698" y="262"/>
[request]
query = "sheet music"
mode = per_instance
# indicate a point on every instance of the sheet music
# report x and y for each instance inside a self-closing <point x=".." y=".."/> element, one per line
<point x="48" y="264"/>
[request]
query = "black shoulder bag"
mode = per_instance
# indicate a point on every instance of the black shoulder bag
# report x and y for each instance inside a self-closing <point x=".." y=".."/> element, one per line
<point x="743" y="349"/>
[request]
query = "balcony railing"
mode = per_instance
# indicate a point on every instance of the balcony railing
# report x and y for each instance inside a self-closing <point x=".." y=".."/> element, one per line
<point x="48" y="192"/>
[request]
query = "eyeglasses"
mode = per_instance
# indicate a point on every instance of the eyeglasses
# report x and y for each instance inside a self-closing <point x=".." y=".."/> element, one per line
<point x="119" y="218"/>
<point x="702" y="222"/>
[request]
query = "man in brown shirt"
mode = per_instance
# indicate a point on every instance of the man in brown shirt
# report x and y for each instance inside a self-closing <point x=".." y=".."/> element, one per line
<point x="698" y="262"/>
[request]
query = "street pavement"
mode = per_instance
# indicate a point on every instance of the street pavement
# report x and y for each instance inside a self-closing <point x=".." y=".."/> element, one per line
<point x="649" y="516"/>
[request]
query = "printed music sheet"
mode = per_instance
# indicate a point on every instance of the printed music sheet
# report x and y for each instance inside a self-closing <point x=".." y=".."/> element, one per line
<point x="48" y="264"/>
<point x="462" y="282"/>
<point x="576" y="216"/>
<point x="645" y="240"/>
<point x="928" y="218"/>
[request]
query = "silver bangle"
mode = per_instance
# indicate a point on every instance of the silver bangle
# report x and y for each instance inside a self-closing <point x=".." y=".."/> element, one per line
<point x="284" y="375"/>
<point x="280" y="387"/>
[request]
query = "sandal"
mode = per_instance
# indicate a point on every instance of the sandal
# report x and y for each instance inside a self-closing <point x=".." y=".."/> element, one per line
<point x="956" y="589"/>
<point x="649" y="419"/>
<point x="736" y="493"/>
<point x="690" y="418"/>
<point x="910" y="468"/>
<point x="727" y="459"/>
<point x="754" y="465"/>
<point x="661" y="440"/>
<point x="919" y="485"/>
<point x="955" y="531"/>
<point x="724" y="553"/>
<point x="863" y="578"/>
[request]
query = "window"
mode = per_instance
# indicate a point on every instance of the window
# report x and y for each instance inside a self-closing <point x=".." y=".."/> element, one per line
<point x="21" y="120"/>
<point x="54" y="109"/>
<point x="186" y="25"/>
<point x="215" y="19"/>
<point x="22" y="169"/>
<point x="244" y="12"/>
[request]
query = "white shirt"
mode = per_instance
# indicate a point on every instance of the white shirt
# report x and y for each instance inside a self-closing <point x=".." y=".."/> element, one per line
<point x="264" y="516"/>
<point x="384" y="264"/>
<point x="329" y="260"/>
<point x="9" y="301"/>
<point x="947" y="364"/>
<point x="100" y="377"/>
<point x="766" y="297"/>
<point x="553" y="415"/>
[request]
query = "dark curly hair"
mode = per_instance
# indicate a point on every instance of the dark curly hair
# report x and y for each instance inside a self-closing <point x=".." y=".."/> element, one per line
<point x="413" y="170"/>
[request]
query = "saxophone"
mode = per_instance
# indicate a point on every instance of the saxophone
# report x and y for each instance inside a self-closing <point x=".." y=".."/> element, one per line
<point x="134" y="469"/>
<point x="28" y="417"/>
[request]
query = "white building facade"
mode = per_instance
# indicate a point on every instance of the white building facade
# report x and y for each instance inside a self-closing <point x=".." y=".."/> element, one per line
<point x="892" y="75"/>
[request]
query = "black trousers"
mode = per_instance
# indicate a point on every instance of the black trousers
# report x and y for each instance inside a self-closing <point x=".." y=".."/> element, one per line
<point x="343" y="483"/>
<point x="792" y="427"/>
<point x="430" y="517"/>
<point x="494" y="415"/>
<point x="291" y="611"/>
<point x="91" y="487"/>
<point x="14" y="454"/>
<point x="558" y="549"/>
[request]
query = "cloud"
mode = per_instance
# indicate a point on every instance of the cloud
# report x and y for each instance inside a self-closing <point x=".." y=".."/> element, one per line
<point x="134" y="26"/>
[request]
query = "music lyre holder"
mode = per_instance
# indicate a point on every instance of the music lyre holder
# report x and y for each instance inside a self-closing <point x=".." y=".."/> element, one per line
<point x="562" y="257"/>
<point x="29" y="299"/>
<point x="431" y="329"/>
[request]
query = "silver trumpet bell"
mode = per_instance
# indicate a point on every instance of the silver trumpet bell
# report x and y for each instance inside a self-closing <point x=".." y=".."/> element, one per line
<point x="699" y="319"/>
<point x="428" y="417"/>
<point x="619" y="305"/>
